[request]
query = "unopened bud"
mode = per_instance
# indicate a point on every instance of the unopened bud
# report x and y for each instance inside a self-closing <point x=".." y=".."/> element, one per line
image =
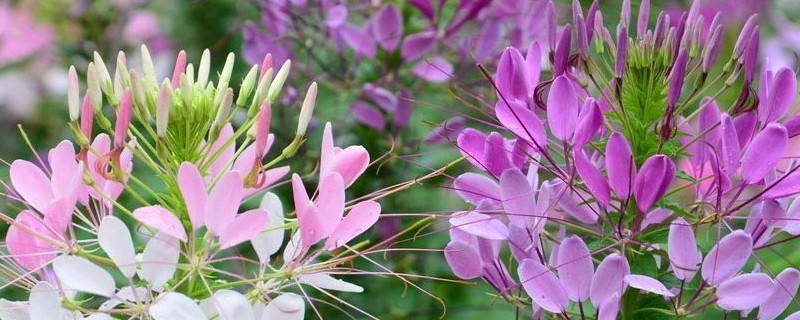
<point x="277" y="84"/>
<point x="203" y="68"/>
<point x="248" y="84"/>
<point x="307" y="110"/>
<point x="93" y="83"/>
<point x="147" y="66"/>
<point x="162" y="111"/>
<point x="104" y="76"/>
<point x="73" y="95"/>
<point x="224" y="77"/>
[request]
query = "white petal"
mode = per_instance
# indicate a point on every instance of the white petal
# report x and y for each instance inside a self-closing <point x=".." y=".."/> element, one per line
<point x="77" y="273"/>
<point x="287" y="306"/>
<point x="229" y="305"/>
<point x="115" y="239"/>
<point x="269" y="242"/>
<point x="292" y="249"/>
<point x="126" y="294"/>
<point x="326" y="282"/>
<point x="45" y="303"/>
<point x="99" y="316"/>
<point x="13" y="310"/>
<point x="159" y="260"/>
<point x="648" y="284"/>
<point x="175" y="306"/>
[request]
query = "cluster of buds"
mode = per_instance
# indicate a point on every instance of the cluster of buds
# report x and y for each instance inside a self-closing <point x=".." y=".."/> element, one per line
<point x="623" y="166"/>
<point x="81" y="253"/>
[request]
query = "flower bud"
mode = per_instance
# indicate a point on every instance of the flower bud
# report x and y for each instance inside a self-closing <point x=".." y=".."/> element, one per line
<point x="751" y="56"/>
<point x="676" y="78"/>
<point x="307" y="109"/>
<point x="562" y="51"/>
<point x="147" y="66"/>
<point x="265" y="65"/>
<point x="712" y="49"/>
<point x="224" y="77"/>
<point x="180" y="68"/>
<point x="625" y="15"/>
<point x="224" y="109"/>
<point x="203" y="68"/>
<point x="93" y="83"/>
<point x="644" y="18"/>
<point x="248" y="84"/>
<point x="186" y="89"/>
<point x="583" y="38"/>
<point x="277" y="84"/>
<point x="162" y="111"/>
<point x="262" y="128"/>
<point x="138" y="94"/>
<point x="622" y="52"/>
<point x="653" y="180"/>
<point x="73" y="99"/>
<point x="104" y="77"/>
<point x="87" y="115"/>
<point x="590" y="16"/>
<point x="123" y="118"/>
<point x="744" y="37"/>
<point x="121" y="77"/>
<point x="552" y="23"/>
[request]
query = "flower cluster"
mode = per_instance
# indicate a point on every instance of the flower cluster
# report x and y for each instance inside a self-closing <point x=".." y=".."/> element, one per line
<point x="181" y="251"/>
<point x="381" y="50"/>
<point x="604" y="179"/>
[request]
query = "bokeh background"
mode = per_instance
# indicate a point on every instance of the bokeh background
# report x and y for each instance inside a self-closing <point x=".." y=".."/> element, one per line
<point x="39" y="40"/>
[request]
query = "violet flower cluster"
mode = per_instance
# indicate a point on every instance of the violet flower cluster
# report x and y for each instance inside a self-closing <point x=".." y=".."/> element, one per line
<point x="604" y="178"/>
<point x="181" y="251"/>
<point x="381" y="51"/>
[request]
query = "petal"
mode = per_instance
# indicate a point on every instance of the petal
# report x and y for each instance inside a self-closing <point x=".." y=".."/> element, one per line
<point x="787" y="186"/>
<point x="471" y="144"/>
<point x="575" y="268"/>
<point x="330" y="202"/>
<point x="226" y="141"/>
<point x="65" y="168"/>
<point x="417" y="44"/>
<point x="783" y="292"/>
<point x="533" y="64"/>
<point x="269" y="242"/>
<point x="481" y="225"/>
<point x="463" y="259"/>
<point x="682" y="249"/>
<point x="162" y="220"/>
<point x="193" y="190"/>
<point x="14" y="310"/>
<point x="388" y="27"/>
<point x="45" y="303"/>
<point x="620" y="165"/>
<point x="610" y="307"/>
<point x="744" y="292"/>
<point x="175" y="306"/>
<point x="31" y="184"/>
<point x="360" y="218"/>
<point x="653" y="180"/>
<point x="475" y="188"/>
<point x="730" y="149"/>
<point x="434" y="69"/>
<point x="336" y="16"/>
<point x="116" y="241"/>
<point x="592" y="177"/>
<point x="27" y="249"/>
<point x="79" y="274"/>
<point x="159" y="260"/>
<point x="609" y="278"/>
<point x="308" y="217"/>
<point x="517" y="195"/>
<point x="562" y="108"/>
<point x="350" y="163"/>
<point x="781" y="95"/>
<point x="230" y="305"/>
<point x="287" y="306"/>
<point x="368" y="115"/>
<point x="223" y="202"/>
<point x="763" y="153"/>
<point x="522" y="122"/>
<point x="326" y="282"/>
<point x="243" y="227"/>
<point x="511" y="77"/>
<point x="496" y="154"/>
<point x="542" y="286"/>
<point x="648" y="284"/>
<point x="589" y="122"/>
<point x="358" y="39"/>
<point x="727" y="257"/>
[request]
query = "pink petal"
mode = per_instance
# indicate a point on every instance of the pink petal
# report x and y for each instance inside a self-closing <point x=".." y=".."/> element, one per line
<point x="463" y="259"/>
<point x="31" y="184"/>
<point x="480" y="225"/>
<point x="162" y="220"/>
<point x="360" y="218"/>
<point x="518" y="201"/>
<point x="475" y="188"/>
<point x="28" y="250"/>
<point x="223" y="202"/>
<point x="648" y="284"/>
<point x="330" y="202"/>
<point x="350" y="163"/>
<point x="243" y="227"/>
<point x="193" y="191"/>
<point x="744" y="292"/>
<point x="311" y="228"/>
<point x="542" y="286"/>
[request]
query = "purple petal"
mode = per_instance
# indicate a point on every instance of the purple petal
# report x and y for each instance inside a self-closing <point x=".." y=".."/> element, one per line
<point x="522" y="122"/>
<point x="609" y="278"/>
<point x="542" y="286"/>
<point x="731" y="151"/>
<point x="592" y="177"/>
<point x="336" y="16"/>
<point x="463" y="259"/>
<point x="648" y="284"/>
<point x="562" y="108"/>
<point x="470" y="143"/>
<point x="434" y="69"/>
<point x="727" y="257"/>
<point x="609" y="308"/>
<point x="780" y="96"/>
<point x="416" y="45"/>
<point x="446" y="131"/>
<point x="388" y="27"/>
<point x="589" y="122"/>
<point x="475" y="188"/>
<point x="517" y="196"/>
<point x="787" y="186"/>
<point x="763" y="153"/>
<point x="682" y="249"/>
<point x="405" y="106"/>
<point x="368" y="115"/>
<point x="511" y="77"/>
<point x="620" y="165"/>
<point x="358" y="39"/>
<point x="653" y="180"/>
<point x="533" y="65"/>
<point x="480" y="225"/>
<point x="496" y="154"/>
<point x="381" y="97"/>
<point x="783" y="292"/>
<point x="562" y="51"/>
<point x="744" y="292"/>
<point x="575" y="268"/>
